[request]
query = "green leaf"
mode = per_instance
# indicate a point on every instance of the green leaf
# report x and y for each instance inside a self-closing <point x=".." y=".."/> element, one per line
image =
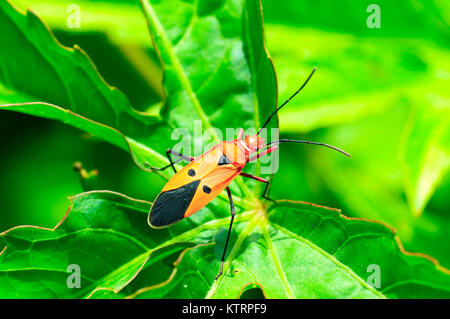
<point x="101" y="232"/>
<point x="288" y="251"/>
<point x="116" y="37"/>
<point x="297" y="250"/>
<point x="65" y="83"/>
<point x="371" y="185"/>
<point x="217" y="88"/>
<point x="216" y="67"/>
<point x="61" y="76"/>
<point x="426" y="151"/>
<point x="403" y="275"/>
<point x="120" y="21"/>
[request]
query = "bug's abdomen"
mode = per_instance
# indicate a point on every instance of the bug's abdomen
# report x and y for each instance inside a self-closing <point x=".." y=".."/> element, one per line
<point x="170" y="206"/>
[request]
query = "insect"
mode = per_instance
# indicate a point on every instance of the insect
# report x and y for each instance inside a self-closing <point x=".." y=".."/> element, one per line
<point x="199" y="182"/>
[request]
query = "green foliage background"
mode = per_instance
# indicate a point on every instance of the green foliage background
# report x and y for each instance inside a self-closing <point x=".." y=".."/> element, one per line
<point x="381" y="94"/>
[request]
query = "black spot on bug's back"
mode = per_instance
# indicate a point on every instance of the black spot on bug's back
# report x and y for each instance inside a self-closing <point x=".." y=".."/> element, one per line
<point x="191" y="172"/>
<point x="206" y="189"/>
<point x="223" y="160"/>
<point x="170" y="206"/>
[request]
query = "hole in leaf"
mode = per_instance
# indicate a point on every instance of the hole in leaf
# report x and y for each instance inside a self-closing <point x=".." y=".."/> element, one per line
<point x="253" y="293"/>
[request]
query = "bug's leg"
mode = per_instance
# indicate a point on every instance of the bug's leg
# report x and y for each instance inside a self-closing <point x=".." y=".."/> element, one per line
<point x="262" y="180"/>
<point x="229" y="232"/>
<point x="266" y="189"/>
<point x="168" y="153"/>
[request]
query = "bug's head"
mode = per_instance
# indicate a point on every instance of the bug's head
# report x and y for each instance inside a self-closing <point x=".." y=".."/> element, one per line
<point x="254" y="142"/>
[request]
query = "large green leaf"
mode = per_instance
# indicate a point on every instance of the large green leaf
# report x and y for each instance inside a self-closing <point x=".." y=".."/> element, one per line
<point x="60" y="76"/>
<point x="98" y="235"/>
<point x="233" y="85"/>
<point x="115" y="36"/>
<point x="66" y="78"/>
<point x="296" y="250"/>
<point x="222" y="36"/>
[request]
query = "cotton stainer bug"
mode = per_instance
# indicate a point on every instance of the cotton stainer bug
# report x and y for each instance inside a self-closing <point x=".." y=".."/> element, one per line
<point x="206" y="176"/>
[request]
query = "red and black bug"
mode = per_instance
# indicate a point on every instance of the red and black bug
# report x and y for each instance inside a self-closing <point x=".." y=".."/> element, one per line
<point x="206" y="176"/>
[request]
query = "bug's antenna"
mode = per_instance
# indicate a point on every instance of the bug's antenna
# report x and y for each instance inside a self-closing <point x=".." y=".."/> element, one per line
<point x="278" y="108"/>
<point x="309" y="142"/>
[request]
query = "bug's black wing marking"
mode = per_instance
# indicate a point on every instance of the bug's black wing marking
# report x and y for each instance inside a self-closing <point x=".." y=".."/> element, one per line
<point x="206" y="189"/>
<point x="170" y="206"/>
<point x="223" y="160"/>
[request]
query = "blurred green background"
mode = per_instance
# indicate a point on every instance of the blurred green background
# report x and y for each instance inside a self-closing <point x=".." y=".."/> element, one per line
<point x="382" y="94"/>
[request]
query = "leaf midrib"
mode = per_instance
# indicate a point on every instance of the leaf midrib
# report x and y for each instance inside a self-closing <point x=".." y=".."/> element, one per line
<point x="43" y="270"/>
<point x="276" y="261"/>
<point x="255" y="96"/>
<point x="153" y="18"/>
<point x="90" y="229"/>
<point x="234" y="250"/>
